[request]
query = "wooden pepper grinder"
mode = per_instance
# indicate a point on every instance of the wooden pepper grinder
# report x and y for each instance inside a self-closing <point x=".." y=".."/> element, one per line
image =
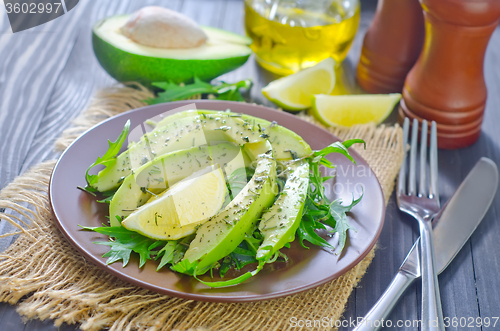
<point x="446" y="84"/>
<point x="391" y="46"/>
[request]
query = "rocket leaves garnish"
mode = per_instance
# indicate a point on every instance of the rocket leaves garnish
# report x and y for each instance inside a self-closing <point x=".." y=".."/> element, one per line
<point x="319" y="210"/>
<point x="124" y="243"/>
<point x="243" y="254"/>
<point x="173" y="251"/>
<point x="234" y="281"/>
<point x="318" y="157"/>
<point x="338" y="213"/>
<point x="110" y="156"/>
<point x="221" y="90"/>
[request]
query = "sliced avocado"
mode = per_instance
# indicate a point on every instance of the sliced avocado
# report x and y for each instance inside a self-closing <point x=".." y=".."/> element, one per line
<point x="182" y="133"/>
<point x="279" y="224"/>
<point x="163" y="172"/>
<point x="126" y="60"/>
<point x="287" y="145"/>
<point x="223" y="233"/>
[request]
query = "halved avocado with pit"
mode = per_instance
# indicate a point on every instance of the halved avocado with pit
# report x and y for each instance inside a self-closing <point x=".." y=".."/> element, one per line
<point x="126" y="60"/>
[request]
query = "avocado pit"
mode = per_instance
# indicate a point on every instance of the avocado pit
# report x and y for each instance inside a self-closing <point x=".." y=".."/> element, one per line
<point x="160" y="27"/>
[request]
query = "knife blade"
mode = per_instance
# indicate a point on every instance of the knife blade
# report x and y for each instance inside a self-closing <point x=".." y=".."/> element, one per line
<point x="453" y="226"/>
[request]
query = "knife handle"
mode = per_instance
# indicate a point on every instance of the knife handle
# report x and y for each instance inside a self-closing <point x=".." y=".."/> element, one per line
<point x="373" y="319"/>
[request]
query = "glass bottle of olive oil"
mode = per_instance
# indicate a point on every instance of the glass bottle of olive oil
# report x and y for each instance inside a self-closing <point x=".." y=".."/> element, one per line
<point x="290" y="35"/>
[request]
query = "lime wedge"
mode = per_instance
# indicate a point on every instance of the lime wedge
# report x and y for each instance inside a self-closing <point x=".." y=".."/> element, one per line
<point x="294" y="92"/>
<point x="347" y="110"/>
<point x="178" y="211"/>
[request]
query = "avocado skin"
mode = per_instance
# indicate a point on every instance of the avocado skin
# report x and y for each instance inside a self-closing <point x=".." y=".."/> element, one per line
<point x="125" y="67"/>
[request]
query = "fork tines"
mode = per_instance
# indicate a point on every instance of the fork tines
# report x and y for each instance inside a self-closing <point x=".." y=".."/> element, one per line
<point x="432" y="192"/>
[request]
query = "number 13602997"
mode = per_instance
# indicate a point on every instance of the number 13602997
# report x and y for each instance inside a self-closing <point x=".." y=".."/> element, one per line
<point x="471" y="322"/>
<point x="33" y="8"/>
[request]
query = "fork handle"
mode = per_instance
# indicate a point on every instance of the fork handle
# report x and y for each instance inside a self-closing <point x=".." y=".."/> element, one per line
<point x="432" y="314"/>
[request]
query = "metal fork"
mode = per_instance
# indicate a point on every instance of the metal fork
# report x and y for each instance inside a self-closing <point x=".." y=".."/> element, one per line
<point x="423" y="206"/>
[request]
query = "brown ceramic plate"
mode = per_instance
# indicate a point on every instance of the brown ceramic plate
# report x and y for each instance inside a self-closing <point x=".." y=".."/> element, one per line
<point x="307" y="268"/>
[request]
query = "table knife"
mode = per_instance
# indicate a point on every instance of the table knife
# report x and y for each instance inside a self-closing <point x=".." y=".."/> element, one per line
<point x="453" y="226"/>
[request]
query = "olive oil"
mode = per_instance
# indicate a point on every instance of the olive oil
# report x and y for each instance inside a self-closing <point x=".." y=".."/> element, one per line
<point x="287" y="38"/>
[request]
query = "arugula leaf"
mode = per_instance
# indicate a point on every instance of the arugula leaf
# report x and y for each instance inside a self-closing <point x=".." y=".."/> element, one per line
<point x="225" y="264"/>
<point x="166" y="254"/>
<point x="234" y="281"/>
<point x="184" y="266"/>
<point x="90" y="190"/>
<point x="306" y="232"/>
<point x="108" y="196"/>
<point x="319" y="211"/>
<point x="109" y="158"/>
<point x="242" y="255"/>
<point x="341" y="222"/>
<point x="181" y="248"/>
<point x="125" y="242"/>
<point x="173" y="92"/>
<point x="232" y="91"/>
<point x="336" y="147"/>
<point x="221" y="90"/>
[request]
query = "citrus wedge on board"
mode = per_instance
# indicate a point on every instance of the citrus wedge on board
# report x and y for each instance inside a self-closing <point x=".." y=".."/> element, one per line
<point x="294" y="92"/>
<point x="348" y="110"/>
<point x="178" y="211"/>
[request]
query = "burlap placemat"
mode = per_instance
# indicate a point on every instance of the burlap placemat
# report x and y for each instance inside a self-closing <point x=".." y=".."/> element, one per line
<point x="47" y="278"/>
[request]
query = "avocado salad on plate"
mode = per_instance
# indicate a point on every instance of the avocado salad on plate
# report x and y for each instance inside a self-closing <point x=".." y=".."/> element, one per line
<point x="207" y="191"/>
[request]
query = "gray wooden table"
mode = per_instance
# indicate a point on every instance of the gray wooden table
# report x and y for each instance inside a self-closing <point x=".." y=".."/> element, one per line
<point x="49" y="73"/>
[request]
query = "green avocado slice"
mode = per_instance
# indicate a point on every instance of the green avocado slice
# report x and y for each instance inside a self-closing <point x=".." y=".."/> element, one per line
<point x="126" y="60"/>
<point x="223" y="233"/>
<point x="279" y="224"/>
<point x="185" y="131"/>
<point x="163" y="172"/>
<point x="287" y="145"/>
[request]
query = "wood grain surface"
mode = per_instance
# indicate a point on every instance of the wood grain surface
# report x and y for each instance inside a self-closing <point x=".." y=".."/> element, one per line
<point x="49" y="73"/>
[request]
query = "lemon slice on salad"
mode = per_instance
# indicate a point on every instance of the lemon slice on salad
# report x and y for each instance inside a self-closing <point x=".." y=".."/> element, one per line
<point x="347" y="110"/>
<point x="294" y="92"/>
<point x="178" y="211"/>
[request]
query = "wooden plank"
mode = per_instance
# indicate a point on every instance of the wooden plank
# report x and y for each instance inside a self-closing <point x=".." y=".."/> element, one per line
<point x="71" y="93"/>
<point x="47" y="325"/>
<point x="32" y="61"/>
<point x="68" y="97"/>
<point x="485" y="241"/>
<point x="10" y="319"/>
<point x="205" y="12"/>
<point x="74" y="87"/>
<point x="457" y="282"/>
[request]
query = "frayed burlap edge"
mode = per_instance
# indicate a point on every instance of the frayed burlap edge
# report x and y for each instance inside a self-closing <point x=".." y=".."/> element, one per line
<point x="47" y="278"/>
